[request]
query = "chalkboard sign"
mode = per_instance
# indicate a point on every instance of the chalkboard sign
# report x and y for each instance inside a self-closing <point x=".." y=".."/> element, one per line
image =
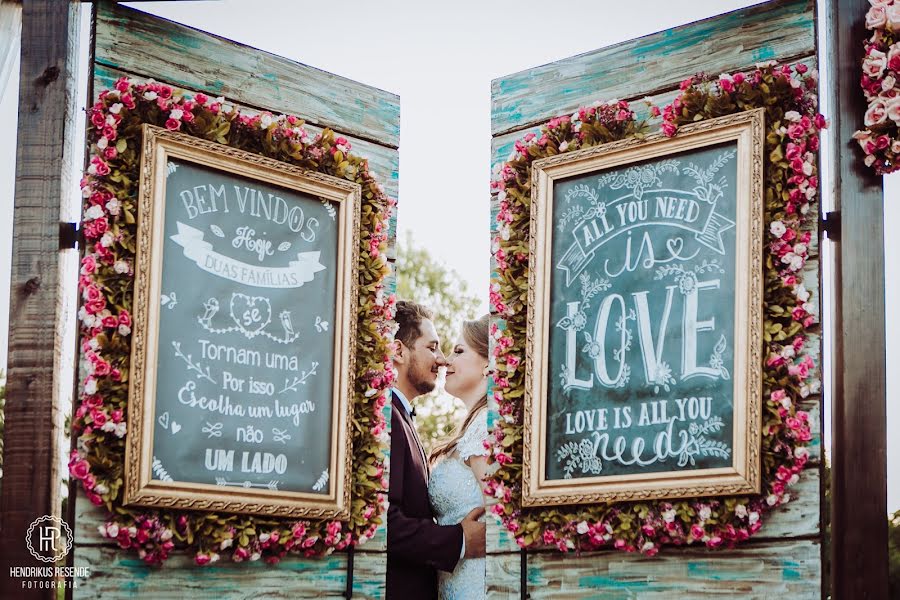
<point x="243" y="380"/>
<point x="647" y="314"/>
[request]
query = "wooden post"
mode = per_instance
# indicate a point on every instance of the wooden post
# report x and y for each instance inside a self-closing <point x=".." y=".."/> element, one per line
<point x="859" y="460"/>
<point x="44" y="179"/>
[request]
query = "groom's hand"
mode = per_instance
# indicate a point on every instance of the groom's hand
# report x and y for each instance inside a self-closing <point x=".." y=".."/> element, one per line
<point x="473" y="531"/>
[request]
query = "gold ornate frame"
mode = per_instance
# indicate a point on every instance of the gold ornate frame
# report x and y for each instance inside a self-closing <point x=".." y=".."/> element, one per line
<point x="140" y="488"/>
<point x="744" y="477"/>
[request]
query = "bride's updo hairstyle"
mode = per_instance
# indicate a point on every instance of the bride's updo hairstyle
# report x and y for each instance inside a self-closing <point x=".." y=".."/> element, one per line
<point x="476" y="334"/>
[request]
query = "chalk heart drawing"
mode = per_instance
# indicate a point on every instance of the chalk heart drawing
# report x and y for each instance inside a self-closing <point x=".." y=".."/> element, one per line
<point x="164" y="420"/>
<point x="176" y="427"/>
<point x="251" y="314"/>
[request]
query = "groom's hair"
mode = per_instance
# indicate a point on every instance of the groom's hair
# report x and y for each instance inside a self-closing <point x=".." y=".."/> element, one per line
<point x="409" y="317"/>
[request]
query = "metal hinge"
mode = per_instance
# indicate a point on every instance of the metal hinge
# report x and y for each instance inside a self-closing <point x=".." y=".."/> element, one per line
<point x="69" y="235"/>
<point x="831" y="225"/>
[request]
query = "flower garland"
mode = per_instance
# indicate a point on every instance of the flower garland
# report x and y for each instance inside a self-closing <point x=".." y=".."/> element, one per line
<point x="791" y="187"/>
<point x="880" y="140"/>
<point x="106" y="283"/>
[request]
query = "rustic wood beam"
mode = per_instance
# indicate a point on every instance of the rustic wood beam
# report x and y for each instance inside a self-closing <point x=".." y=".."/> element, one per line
<point x="44" y="179"/>
<point x="859" y="458"/>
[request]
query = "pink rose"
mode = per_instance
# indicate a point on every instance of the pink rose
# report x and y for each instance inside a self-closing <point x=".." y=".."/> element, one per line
<point x="202" y="559"/>
<point x="876" y="114"/>
<point x="80" y="469"/>
<point x="876" y="18"/>
<point x="173" y="125"/>
<point x="875" y="64"/>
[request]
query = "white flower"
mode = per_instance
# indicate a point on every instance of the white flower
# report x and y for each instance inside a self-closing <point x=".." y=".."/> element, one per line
<point x="786" y="498"/>
<point x="807" y="169"/>
<point x="110" y="120"/>
<point x="265" y="120"/>
<point x="150" y="95"/>
<point x="705" y="512"/>
<point x="888" y="83"/>
<point x="101" y="488"/>
<point x="107" y="239"/>
<point x="786" y="403"/>
<point x="582" y="528"/>
<point x="226" y="543"/>
<point x="788" y="351"/>
<point x="94" y="212"/>
<point x="90" y="386"/>
<point x="802" y="452"/>
<point x="647" y="546"/>
<point x="264" y="537"/>
<point x="874" y="63"/>
<point x="777" y="229"/>
<point x="112" y="530"/>
<point x="564" y="146"/>
<point x="501" y="195"/>
<point x="794" y="479"/>
<point x="121" y="267"/>
<point x="176" y="114"/>
<point x="669" y="515"/>
<point x="800" y="248"/>
<point x="753" y="517"/>
<point x="772" y="500"/>
<point x="255" y="556"/>
<point x="792" y="115"/>
<point x="94" y="344"/>
<point x="166" y="535"/>
<point x="102" y="143"/>
<point x="740" y="510"/>
<point x="120" y="429"/>
<point x="116" y="108"/>
<point x="108" y="426"/>
<point x="113" y="206"/>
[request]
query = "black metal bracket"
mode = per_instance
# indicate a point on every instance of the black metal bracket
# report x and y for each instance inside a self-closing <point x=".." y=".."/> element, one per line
<point x="831" y="225"/>
<point x="69" y="235"/>
<point x="523" y="575"/>
<point x="348" y="592"/>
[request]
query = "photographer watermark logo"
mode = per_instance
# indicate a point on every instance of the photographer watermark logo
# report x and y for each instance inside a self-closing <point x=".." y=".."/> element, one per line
<point x="49" y="539"/>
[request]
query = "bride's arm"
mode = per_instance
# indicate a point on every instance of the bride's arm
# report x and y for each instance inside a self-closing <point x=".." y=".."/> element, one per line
<point x="474" y="454"/>
<point x="482" y="469"/>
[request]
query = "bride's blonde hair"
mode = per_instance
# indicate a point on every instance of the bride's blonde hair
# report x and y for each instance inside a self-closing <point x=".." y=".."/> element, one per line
<point x="476" y="334"/>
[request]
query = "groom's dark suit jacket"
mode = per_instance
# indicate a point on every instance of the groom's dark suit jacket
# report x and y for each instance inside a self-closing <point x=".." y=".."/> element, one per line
<point x="417" y="546"/>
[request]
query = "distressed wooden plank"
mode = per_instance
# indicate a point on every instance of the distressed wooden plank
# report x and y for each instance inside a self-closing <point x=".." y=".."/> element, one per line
<point x="150" y="46"/>
<point x="502" y="144"/>
<point x="797" y="518"/>
<point x="116" y="573"/>
<point x="89" y="517"/>
<point x="859" y="461"/>
<point x="774" y="30"/>
<point x="789" y="569"/>
<point x="384" y="162"/>
<point x="38" y="327"/>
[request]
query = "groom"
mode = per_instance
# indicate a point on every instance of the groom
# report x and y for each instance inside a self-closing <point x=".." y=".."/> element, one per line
<point x="417" y="546"/>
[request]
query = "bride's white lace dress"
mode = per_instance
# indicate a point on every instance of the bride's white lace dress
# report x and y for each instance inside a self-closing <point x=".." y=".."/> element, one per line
<point x="454" y="492"/>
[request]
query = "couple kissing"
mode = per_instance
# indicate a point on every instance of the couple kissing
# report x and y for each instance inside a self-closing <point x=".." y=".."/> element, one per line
<point x="436" y="534"/>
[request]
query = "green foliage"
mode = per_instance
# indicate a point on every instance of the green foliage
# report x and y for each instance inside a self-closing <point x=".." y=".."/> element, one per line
<point x="424" y="278"/>
<point x="894" y="555"/>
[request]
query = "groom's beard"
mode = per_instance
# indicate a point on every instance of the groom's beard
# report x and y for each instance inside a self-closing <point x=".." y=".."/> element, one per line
<point x="420" y="378"/>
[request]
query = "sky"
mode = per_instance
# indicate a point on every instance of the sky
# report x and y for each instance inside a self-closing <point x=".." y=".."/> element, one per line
<point x="440" y="58"/>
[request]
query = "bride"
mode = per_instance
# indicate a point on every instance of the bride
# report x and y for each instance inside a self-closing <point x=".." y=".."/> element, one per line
<point x="460" y="464"/>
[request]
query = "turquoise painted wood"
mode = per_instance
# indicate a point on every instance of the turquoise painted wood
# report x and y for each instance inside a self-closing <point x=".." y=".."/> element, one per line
<point x="116" y="573"/>
<point x="782" y="30"/>
<point x="764" y="571"/>
<point x="129" y="42"/>
<point x="139" y="43"/>
<point x="784" y="559"/>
